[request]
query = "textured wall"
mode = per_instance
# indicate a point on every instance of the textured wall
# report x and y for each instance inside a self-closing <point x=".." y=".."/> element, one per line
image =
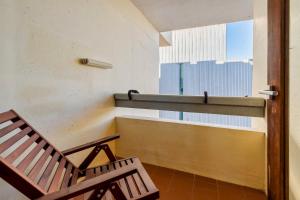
<point x="40" y="78"/>
<point x="294" y="140"/>
<point x="231" y="155"/>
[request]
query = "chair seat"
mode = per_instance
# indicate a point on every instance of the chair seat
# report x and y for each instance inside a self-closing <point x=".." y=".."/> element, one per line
<point x="134" y="186"/>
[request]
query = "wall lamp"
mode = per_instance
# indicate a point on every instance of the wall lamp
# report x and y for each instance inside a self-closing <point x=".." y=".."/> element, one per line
<point x="95" y="63"/>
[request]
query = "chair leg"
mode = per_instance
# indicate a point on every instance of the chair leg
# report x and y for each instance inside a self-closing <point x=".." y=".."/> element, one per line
<point x="87" y="161"/>
<point x="114" y="189"/>
<point x="117" y="192"/>
<point x="108" y="153"/>
<point x="98" y="193"/>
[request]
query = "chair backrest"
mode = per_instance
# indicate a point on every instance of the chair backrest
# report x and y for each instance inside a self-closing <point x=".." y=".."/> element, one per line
<point x="28" y="161"/>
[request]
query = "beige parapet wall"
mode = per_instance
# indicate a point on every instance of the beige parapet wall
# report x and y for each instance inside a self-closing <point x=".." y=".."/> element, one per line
<point x="228" y="154"/>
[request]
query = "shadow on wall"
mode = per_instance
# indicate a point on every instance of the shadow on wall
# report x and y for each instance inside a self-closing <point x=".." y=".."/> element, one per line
<point x="69" y="115"/>
<point x="101" y="112"/>
<point x="291" y="195"/>
<point x="67" y="125"/>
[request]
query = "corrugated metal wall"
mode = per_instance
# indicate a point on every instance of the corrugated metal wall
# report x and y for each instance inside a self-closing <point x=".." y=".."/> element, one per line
<point x="169" y="84"/>
<point x="196" y="44"/>
<point x="227" y="79"/>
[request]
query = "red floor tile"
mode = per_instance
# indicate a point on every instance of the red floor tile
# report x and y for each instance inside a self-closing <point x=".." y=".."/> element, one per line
<point x="254" y="194"/>
<point x="204" y="189"/>
<point x="227" y="191"/>
<point x="176" y="185"/>
<point x="181" y="186"/>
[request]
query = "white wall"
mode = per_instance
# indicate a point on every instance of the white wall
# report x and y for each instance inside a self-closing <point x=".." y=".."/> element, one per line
<point x="41" y="79"/>
<point x="260" y="65"/>
<point x="260" y="56"/>
<point x="227" y="154"/>
<point x="294" y="138"/>
<point x="168" y="15"/>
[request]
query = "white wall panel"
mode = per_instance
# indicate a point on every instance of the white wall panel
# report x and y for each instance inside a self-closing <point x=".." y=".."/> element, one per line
<point x="196" y="44"/>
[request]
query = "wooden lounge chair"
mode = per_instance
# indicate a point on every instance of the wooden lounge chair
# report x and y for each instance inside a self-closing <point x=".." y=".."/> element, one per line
<point x="37" y="169"/>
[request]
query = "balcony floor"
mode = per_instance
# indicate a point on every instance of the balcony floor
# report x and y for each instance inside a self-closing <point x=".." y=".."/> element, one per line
<point x="175" y="185"/>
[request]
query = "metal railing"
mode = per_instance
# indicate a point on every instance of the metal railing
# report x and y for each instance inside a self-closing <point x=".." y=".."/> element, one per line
<point x="241" y="106"/>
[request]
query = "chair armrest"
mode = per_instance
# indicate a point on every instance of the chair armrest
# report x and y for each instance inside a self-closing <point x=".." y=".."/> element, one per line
<point x="91" y="184"/>
<point x="90" y="144"/>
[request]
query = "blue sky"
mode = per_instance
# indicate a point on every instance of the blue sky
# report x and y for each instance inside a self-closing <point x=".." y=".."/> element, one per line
<point x="240" y="40"/>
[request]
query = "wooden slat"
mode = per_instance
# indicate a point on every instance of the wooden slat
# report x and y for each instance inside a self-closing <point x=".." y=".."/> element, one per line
<point x="151" y="191"/>
<point x="96" y="194"/>
<point x="74" y="176"/>
<point x="90" y="173"/>
<point x="19" y="181"/>
<point x="90" y="184"/>
<point x="144" y="176"/>
<point x="131" y="183"/>
<point x="90" y="144"/>
<point x="122" y="182"/>
<point x="109" y="195"/>
<point x="22" y="166"/>
<point x="16" y="175"/>
<point x="19" y="117"/>
<point x="79" y="197"/>
<point x="55" y="181"/>
<point x="91" y="195"/>
<point x="17" y="152"/>
<point x="139" y="183"/>
<point x="8" y="143"/>
<point x="67" y="176"/>
<point x="45" y="176"/>
<point x="102" y="170"/>
<point x="135" y="186"/>
<point x="6" y="116"/>
<point x="38" y="166"/>
<point x="11" y="127"/>
<point x="98" y="171"/>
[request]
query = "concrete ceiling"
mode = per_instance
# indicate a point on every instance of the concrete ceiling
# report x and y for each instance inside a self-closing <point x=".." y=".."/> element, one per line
<point x="167" y="15"/>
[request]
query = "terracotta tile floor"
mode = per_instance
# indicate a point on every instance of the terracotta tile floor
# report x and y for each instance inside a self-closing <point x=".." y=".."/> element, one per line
<point x="175" y="185"/>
